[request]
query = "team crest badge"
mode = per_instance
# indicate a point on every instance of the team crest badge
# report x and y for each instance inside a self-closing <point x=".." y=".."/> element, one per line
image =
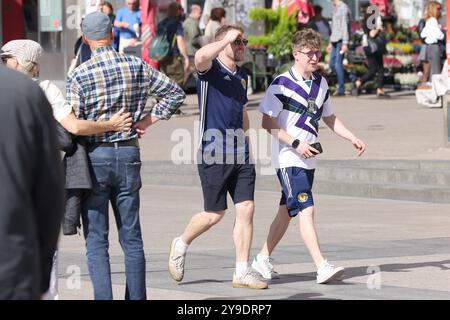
<point x="302" y="197"/>
<point x="311" y="105"/>
<point x="244" y="84"/>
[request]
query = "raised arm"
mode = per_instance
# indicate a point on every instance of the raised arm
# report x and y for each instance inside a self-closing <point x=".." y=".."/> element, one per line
<point x="205" y="55"/>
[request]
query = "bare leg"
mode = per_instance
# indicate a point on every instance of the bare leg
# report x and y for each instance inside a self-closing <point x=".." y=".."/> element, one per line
<point x="200" y="223"/>
<point x="277" y="230"/>
<point x="426" y="71"/>
<point x="309" y="234"/>
<point x="243" y="230"/>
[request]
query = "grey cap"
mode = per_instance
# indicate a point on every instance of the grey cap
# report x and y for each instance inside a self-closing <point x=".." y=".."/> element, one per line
<point x="96" y="26"/>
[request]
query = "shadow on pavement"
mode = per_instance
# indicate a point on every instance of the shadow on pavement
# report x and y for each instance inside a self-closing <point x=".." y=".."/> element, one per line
<point x="302" y="277"/>
<point x="394" y="267"/>
<point x="203" y="281"/>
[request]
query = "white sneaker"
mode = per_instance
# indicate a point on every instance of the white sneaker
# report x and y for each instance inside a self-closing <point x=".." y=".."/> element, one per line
<point x="176" y="262"/>
<point x="248" y="280"/>
<point x="264" y="267"/>
<point x="328" y="272"/>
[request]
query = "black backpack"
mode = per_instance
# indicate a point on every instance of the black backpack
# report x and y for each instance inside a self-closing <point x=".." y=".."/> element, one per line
<point x="420" y="27"/>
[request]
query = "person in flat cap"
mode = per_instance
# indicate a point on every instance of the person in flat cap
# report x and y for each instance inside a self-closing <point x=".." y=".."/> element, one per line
<point x="108" y="82"/>
<point x="24" y="55"/>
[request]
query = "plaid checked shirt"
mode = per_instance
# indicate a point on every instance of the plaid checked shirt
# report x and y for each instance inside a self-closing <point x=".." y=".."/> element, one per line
<point x="101" y="86"/>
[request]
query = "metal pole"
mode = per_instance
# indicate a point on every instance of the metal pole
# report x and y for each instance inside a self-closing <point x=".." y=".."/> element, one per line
<point x="447" y="16"/>
<point x="1" y="23"/>
<point x="446" y="104"/>
<point x="65" y="35"/>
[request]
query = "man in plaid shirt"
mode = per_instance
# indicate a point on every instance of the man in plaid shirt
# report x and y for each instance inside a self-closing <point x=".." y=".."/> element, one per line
<point x="96" y="90"/>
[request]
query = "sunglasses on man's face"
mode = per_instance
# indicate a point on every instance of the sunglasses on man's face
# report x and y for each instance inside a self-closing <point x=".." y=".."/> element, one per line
<point x="239" y="42"/>
<point x="311" y="54"/>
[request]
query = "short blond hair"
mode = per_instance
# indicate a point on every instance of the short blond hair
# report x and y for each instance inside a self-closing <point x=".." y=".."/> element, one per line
<point x="306" y="38"/>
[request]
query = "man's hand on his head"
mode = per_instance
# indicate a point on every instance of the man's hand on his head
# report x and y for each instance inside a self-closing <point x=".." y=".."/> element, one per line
<point x="232" y="35"/>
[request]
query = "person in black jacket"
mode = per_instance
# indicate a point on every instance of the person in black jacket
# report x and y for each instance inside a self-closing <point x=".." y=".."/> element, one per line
<point x="374" y="34"/>
<point x="31" y="196"/>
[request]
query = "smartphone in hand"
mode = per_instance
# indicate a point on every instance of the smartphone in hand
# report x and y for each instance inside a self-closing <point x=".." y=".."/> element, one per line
<point x="317" y="146"/>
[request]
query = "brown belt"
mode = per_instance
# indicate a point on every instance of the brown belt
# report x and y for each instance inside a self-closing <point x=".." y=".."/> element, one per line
<point x="127" y="143"/>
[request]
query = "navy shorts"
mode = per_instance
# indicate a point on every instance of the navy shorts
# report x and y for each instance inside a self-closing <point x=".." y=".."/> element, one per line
<point x="296" y="184"/>
<point x="219" y="179"/>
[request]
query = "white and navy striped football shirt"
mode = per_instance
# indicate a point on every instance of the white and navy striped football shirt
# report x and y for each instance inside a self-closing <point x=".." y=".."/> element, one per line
<point x="298" y="105"/>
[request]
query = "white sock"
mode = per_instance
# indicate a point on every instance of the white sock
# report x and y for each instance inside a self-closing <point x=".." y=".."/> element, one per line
<point x="241" y="267"/>
<point x="261" y="257"/>
<point x="180" y="246"/>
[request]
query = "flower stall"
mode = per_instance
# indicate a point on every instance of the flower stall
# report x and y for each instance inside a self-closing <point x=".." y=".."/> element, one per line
<point x="401" y="62"/>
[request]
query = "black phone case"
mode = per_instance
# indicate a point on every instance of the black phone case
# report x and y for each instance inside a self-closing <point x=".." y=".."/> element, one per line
<point x="317" y="146"/>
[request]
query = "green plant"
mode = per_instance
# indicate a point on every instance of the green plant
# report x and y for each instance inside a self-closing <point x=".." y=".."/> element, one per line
<point x="268" y="15"/>
<point x="279" y="29"/>
<point x="259" y="40"/>
<point x="284" y="67"/>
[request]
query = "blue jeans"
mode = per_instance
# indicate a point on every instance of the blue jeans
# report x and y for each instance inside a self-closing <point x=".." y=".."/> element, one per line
<point x="337" y="66"/>
<point x="116" y="178"/>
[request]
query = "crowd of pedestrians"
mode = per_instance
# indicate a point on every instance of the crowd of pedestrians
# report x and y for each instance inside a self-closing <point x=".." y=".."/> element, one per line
<point x="101" y="118"/>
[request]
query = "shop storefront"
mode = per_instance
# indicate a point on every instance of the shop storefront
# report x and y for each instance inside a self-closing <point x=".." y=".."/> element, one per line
<point x="55" y="24"/>
<point x="44" y="21"/>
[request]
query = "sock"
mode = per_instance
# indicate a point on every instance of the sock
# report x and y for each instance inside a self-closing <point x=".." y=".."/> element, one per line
<point x="241" y="267"/>
<point x="180" y="246"/>
<point x="261" y="257"/>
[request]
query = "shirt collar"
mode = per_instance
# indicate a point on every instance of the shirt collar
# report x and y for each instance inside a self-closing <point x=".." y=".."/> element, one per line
<point x="101" y="50"/>
<point x="226" y="68"/>
<point x="297" y="76"/>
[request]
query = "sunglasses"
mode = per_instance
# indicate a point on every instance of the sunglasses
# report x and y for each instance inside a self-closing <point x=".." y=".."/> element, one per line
<point x="238" y="42"/>
<point x="311" y="54"/>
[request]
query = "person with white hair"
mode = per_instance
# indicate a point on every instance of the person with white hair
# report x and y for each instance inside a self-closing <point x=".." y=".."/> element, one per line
<point x="24" y="56"/>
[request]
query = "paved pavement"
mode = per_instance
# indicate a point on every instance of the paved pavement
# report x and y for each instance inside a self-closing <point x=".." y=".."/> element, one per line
<point x="406" y="244"/>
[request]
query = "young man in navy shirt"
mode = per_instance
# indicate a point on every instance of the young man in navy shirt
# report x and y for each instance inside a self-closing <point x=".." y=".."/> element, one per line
<point x="224" y="165"/>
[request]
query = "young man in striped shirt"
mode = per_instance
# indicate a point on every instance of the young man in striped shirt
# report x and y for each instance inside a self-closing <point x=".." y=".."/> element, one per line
<point x="292" y="108"/>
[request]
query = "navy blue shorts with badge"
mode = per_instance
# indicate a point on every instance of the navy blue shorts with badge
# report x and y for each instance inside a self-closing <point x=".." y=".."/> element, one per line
<point x="296" y="186"/>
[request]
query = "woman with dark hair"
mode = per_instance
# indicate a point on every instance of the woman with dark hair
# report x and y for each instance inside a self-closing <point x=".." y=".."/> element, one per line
<point x="216" y="20"/>
<point x="176" y="63"/>
<point x="108" y="9"/>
